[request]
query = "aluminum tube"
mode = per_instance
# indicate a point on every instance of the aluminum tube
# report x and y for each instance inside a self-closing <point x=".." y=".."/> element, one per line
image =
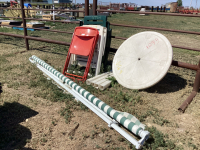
<point x="91" y="106"/>
<point x="102" y="114"/>
<point x="94" y="108"/>
<point x="131" y="126"/>
<point x="127" y="136"/>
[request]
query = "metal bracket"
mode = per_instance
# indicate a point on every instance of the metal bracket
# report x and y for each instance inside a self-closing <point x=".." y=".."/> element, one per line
<point x="113" y="122"/>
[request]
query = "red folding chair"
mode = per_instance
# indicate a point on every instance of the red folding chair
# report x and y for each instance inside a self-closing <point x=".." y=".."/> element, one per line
<point x="83" y="43"/>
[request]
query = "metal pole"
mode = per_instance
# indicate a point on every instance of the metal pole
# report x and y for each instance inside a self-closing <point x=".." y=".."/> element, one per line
<point x="86" y="7"/>
<point x="162" y="29"/>
<point x="53" y="12"/>
<point x="194" y="91"/>
<point x="94" y="7"/>
<point x="184" y="65"/>
<point x="24" y="24"/>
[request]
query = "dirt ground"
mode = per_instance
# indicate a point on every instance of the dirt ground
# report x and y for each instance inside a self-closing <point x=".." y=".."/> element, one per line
<point x="48" y="129"/>
<point x="43" y="128"/>
<point x="32" y="122"/>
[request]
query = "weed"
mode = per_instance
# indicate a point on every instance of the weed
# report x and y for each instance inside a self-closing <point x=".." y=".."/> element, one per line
<point x="103" y="129"/>
<point x="154" y="113"/>
<point x="14" y="85"/>
<point x="158" y="140"/>
<point x="192" y="145"/>
<point x="82" y="106"/>
<point x="108" y="140"/>
<point x="53" y="122"/>
<point x="85" y="136"/>
<point x="121" y="97"/>
<point x="113" y="81"/>
<point x="121" y="139"/>
<point x="96" y="126"/>
<point x="93" y="134"/>
<point x="97" y="146"/>
<point x="44" y="140"/>
<point x="67" y="113"/>
<point x="160" y="121"/>
<point x="3" y="59"/>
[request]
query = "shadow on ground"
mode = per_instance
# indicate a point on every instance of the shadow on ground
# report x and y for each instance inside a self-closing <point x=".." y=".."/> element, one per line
<point x="170" y="83"/>
<point x="12" y="134"/>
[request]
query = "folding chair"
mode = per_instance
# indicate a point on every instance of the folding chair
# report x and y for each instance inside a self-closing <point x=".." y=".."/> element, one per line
<point x="83" y="43"/>
<point x="98" y="52"/>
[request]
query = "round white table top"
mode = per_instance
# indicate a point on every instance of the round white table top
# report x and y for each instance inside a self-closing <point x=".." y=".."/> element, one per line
<point x="142" y="60"/>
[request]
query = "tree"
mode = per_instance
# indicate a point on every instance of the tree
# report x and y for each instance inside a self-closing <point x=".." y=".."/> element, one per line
<point x="180" y="3"/>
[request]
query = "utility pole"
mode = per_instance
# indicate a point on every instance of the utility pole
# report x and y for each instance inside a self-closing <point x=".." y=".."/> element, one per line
<point x="190" y="4"/>
<point x="196" y="4"/>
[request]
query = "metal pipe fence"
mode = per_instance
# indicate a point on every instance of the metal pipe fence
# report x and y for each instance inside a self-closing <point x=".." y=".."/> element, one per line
<point x="174" y="63"/>
<point x="175" y="46"/>
<point x="25" y="36"/>
<point x="153" y="28"/>
<point x="151" y="13"/>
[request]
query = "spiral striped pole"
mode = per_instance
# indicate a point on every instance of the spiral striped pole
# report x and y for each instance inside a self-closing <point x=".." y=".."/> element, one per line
<point x="127" y="123"/>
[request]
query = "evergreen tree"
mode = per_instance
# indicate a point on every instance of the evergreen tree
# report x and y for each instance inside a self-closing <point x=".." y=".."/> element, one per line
<point x="180" y="3"/>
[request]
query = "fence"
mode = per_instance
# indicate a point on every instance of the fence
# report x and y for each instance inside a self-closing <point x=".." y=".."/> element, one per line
<point x="175" y="63"/>
<point x="26" y="37"/>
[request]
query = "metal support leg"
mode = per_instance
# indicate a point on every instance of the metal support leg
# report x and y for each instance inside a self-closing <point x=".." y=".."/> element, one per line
<point x="194" y="91"/>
